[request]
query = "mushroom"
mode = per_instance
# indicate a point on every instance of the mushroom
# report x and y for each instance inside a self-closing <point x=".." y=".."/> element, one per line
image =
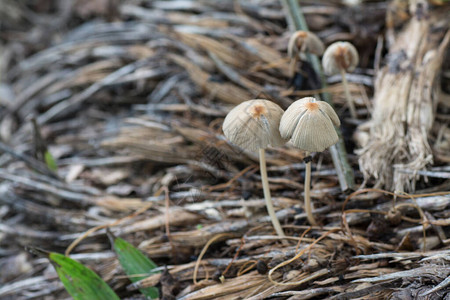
<point x="309" y="124"/>
<point x="253" y="126"/>
<point x="341" y="57"/>
<point x="303" y="42"/>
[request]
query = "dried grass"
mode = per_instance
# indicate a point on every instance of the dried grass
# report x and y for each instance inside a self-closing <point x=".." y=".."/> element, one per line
<point x="132" y="113"/>
<point x="405" y="102"/>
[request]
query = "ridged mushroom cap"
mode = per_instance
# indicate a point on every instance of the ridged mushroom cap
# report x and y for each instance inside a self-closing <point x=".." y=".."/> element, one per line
<point x="304" y="41"/>
<point x="340" y="56"/>
<point x="253" y="125"/>
<point x="309" y="124"/>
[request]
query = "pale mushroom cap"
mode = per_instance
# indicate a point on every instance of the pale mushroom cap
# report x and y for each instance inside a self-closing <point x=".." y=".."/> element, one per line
<point x="340" y="56"/>
<point x="310" y="125"/>
<point x="304" y="41"/>
<point x="253" y="125"/>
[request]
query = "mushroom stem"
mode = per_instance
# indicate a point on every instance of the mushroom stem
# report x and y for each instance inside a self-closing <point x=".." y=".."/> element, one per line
<point x="350" y="103"/>
<point x="293" y="66"/>
<point x="308" y="205"/>
<point x="265" y="184"/>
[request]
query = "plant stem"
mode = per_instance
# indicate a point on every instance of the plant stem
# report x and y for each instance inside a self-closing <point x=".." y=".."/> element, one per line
<point x="350" y="103"/>
<point x="293" y="66"/>
<point x="308" y="205"/>
<point x="265" y="184"/>
<point x="343" y="169"/>
<point x="345" y="173"/>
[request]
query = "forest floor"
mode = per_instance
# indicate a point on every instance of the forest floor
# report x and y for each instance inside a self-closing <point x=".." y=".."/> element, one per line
<point x="111" y="116"/>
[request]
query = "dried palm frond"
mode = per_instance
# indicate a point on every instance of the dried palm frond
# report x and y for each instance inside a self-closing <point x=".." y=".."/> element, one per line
<point x="406" y="96"/>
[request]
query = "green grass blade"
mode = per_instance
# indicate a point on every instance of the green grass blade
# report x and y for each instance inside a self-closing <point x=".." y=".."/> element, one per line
<point x="136" y="265"/>
<point x="81" y="282"/>
<point x="50" y="161"/>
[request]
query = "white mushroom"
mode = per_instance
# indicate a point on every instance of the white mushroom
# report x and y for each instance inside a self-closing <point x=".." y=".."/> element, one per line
<point x="253" y="125"/>
<point x="309" y="124"/>
<point x="303" y="42"/>
<point x="339" y="58"/>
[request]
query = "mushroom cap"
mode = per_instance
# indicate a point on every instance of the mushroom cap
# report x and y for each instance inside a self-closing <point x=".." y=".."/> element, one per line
<point x="304" y="41"/>
<point x="309" y="124"/>
<point x="253" y="125"/>
<point x="340" y="56"/>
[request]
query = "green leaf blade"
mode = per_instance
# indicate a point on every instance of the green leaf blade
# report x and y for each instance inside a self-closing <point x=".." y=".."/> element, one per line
<point x="80" y="282"/>
<point x="136" y="265"/>
<point x="50" y="161"/>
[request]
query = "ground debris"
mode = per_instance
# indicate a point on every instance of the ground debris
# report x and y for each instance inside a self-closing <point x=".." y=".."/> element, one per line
<point x="128" y="97"/>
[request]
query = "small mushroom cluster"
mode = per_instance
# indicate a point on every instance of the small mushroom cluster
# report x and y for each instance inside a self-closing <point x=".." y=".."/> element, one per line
<point x="309" y="124"/>
<point x="256" y="124"/>
<point x="338" y="58"/>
